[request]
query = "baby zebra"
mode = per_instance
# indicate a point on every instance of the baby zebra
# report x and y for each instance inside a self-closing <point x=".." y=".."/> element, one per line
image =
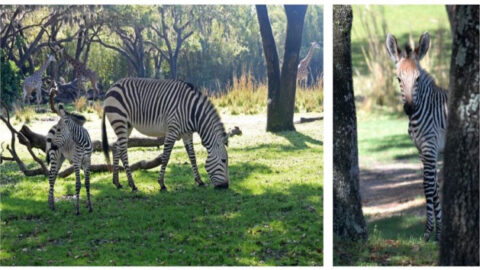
<point x="68" y="139"/>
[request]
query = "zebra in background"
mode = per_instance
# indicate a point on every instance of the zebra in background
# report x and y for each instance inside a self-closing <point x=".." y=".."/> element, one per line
<point x="426" y="106"/>
<point x="68" y="139"/>
<point x="165" y="108"/>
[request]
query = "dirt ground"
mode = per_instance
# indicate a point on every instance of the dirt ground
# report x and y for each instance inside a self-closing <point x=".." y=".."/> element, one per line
<point x="392" y="189"/>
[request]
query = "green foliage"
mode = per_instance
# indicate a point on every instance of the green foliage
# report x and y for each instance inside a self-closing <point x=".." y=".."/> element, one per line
<point x="271" y="215"/>
<point x="11" y="87"/>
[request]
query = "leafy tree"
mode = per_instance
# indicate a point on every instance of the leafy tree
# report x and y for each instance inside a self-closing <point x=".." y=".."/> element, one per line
<point x="10" y="82"/>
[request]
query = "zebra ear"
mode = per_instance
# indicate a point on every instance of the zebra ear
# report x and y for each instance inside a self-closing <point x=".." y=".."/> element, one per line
<point x="392" y="48"/>
<point x="423" y="46"/>
<point x="225" y="138"/>
<point x="61" y="110"/>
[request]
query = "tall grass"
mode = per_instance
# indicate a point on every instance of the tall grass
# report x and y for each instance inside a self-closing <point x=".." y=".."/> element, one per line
<point x="378" y="87"/>
<point x="246" y="96"/>
<point x="80" y="103"/>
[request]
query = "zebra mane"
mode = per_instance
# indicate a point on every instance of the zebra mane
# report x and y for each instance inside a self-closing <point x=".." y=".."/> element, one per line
<point x="76" y="118"/>
<point x="219" y="127"/>
<point x="408" y="51"/>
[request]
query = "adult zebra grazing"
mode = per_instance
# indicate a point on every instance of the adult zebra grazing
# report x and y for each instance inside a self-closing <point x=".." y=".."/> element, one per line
<point x="165" y="108"/>
<point x="426" y="106"/>
<point x="68" y="139"/>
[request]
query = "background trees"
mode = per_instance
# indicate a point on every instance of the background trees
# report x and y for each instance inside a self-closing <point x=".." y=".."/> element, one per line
<point x="206" y="45"/>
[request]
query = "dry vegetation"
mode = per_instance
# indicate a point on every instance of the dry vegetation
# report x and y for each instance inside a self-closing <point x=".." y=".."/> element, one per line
<point x="248" y="97"/>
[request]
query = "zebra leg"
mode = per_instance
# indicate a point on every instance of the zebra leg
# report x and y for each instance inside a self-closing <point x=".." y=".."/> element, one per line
<point x="116" y="159"/>
<point x="56" y="164"/>
<point x="167" y="150"/>
<point x="438" y="209"/>
<point x="124" y="156"/>
<point x="86" y="171"/>
<point x="122" y="130"/>
<point x="429" y="187"/>
<point x="188" y="142"/>
<point x="78" y="185"/>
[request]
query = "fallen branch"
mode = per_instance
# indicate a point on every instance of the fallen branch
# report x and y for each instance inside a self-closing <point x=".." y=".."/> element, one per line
<point x="306" y="120"/>
<point x="39" y="141"/>
<point x="43" y="169"/>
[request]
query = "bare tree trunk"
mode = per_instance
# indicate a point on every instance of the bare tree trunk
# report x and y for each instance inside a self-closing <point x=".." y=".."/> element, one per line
<point x="459" y="244"/>
<point x="281" y="86"/>
<point x="348" y="220"/>
<point x="273" y="66"/>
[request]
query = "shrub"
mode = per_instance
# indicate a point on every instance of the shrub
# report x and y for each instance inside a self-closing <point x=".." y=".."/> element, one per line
<point x="10" y="82"/>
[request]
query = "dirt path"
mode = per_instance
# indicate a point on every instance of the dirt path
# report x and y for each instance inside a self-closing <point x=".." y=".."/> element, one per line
<point x="392" y="189"/>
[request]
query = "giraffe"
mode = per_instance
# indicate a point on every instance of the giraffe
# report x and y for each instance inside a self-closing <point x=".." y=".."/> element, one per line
<point x="34" y="82"/>
<point x="83" y="72"/>
<point x="302" y="72"/>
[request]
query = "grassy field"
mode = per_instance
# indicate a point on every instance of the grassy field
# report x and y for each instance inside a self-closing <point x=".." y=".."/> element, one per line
<point x="374" y="77"/>
<point x="271" y="215"/>
<point x="396" y="239"/>
<point x="399" y="20"/>
<point x="383" y="137"/>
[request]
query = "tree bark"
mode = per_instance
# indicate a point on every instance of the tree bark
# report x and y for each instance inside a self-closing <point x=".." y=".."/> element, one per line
<point x="273" y="66"/>
<point x="281" y="86"/>
<point x="459" y="244"/>
<point x="288" y="81"/>
<point x="348" y="220"/>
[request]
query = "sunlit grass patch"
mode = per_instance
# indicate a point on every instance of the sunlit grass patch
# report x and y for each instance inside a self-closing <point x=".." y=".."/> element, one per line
<point x="272" y="214"/>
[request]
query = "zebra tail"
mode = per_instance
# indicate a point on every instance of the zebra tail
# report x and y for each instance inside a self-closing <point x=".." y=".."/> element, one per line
<point x="106" y="147"/>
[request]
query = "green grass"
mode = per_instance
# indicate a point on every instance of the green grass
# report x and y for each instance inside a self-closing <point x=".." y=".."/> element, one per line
<point x="389" y="243"/>
<point x="395" y="240"/>
<point x="383" y="137"/>
<point x="271" y="215"/>
<point x="401" y="21"/>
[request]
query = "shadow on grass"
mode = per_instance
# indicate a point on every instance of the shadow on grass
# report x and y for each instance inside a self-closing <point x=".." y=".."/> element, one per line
<point x="395" y="143"/>
<point x="298" y="141"/>
<point x="392" y="241"/>
<point x="187" y="225"/>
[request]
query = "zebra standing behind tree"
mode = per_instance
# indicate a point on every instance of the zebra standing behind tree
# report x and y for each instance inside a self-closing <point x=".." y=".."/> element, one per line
<point x="426" y="106"/>
<point x="165" y="108"/>
<point x="68" y="139"/>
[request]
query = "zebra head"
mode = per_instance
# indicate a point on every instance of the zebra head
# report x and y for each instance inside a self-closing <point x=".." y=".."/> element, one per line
<point x="408" y="67"/>
<point x="217" y="161"/>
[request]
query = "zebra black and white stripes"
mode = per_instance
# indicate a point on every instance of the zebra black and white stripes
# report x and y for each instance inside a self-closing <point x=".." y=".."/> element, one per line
<point x="165" y="108"/>
<point x="68" y="139"/>
<point x="426" y="106"/>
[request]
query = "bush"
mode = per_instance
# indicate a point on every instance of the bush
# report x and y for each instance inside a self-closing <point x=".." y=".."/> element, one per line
<point x="10" y="83"/>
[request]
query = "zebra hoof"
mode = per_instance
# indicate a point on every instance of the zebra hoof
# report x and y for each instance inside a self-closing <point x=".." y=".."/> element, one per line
<point x="90" y="210"/>
<point x="222" y="186"/>
<point x="163" y="189"/>
<point x="119" y="186"/>
<point x="426" y="237"/>
<point x="78" y="213"/>
<point x="201" y="184"/>
<point x="134" y="189"/>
